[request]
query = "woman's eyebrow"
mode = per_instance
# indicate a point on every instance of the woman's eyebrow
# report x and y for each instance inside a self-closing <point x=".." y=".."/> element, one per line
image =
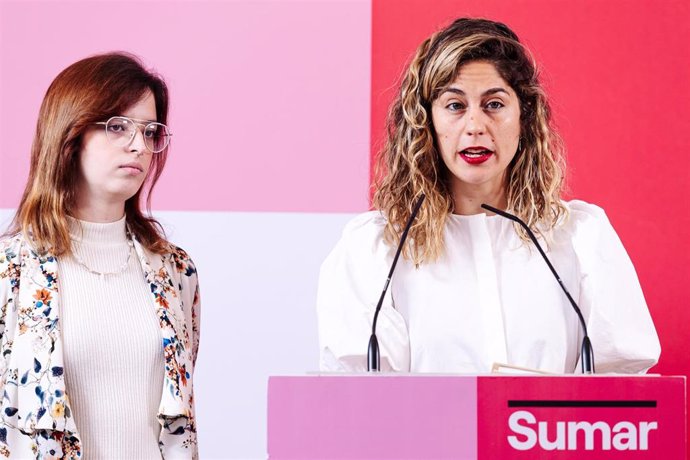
<point x="141" y="121"/>
<point x="452" y="89"/>
<point x="488" y="92"/>
<point x="498" y="89"/>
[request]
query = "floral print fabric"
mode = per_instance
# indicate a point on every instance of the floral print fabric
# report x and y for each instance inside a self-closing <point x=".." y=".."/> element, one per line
<point x="35" y="416"/>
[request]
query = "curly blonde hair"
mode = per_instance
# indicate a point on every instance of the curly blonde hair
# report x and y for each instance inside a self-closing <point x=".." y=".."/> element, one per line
<point x="410" y="165"/>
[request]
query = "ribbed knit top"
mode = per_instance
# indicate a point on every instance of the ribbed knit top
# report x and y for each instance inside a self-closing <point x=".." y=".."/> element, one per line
<point x="113" y="355"/>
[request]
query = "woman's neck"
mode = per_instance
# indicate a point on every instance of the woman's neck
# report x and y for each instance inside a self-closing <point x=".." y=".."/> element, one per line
<point x="99" y="212"/>
<point x="468" y="200"/>
<point x="98" y="232"/>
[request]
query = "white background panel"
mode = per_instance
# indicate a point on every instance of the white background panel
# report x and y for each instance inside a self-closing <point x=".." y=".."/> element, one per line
<point x="258" y="276"/>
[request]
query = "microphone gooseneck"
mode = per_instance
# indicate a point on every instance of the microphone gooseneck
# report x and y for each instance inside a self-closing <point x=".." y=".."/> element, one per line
<point x="373" y="353"/>
<point x="587" y="353"/>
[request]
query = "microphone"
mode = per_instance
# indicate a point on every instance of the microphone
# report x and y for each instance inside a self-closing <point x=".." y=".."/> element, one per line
<point x="587" y="353"/>
<point x="373" y="354"/>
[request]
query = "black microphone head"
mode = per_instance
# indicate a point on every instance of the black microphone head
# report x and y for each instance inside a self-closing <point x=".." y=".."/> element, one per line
<point x="373" y="355"/>
<point x="587" y="356"/>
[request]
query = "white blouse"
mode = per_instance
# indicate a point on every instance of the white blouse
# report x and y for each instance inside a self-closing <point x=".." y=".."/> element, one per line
<point x="489" y="299"/>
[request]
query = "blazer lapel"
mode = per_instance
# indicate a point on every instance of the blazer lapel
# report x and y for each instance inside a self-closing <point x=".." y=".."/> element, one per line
<point x="176" y="343"/>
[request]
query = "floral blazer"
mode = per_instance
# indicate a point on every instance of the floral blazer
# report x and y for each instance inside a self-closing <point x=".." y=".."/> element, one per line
<point x="35" y="416"/>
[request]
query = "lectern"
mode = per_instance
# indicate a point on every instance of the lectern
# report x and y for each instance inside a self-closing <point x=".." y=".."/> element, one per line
<point x="484" y="417"/>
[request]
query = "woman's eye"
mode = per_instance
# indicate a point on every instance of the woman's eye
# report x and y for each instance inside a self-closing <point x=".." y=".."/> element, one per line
<point x="455" y="106"/>
<point x="494" y="105"/>
<point x="150" y="133"/>
<point x="116" y="127"/>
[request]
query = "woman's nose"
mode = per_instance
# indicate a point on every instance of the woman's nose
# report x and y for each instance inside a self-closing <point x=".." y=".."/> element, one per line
<point x="138" y="145"/>
<point x="476" y="121"/>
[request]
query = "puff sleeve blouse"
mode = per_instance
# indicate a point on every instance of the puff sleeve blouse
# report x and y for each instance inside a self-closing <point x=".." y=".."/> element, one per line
<point x="489" y="299"/>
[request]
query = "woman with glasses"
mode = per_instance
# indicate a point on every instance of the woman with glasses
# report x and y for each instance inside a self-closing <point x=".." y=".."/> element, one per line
<point x="99" y="320"/>
<point x="471" y="125"/>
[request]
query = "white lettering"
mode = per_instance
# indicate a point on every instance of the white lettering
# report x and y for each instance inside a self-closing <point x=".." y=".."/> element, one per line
<point x="625" y="431"/>
<point x="589" y="429"/>
<point x="596" y="435"/>
<point x="645" y="428"/>
<point x="514" y="424"/>
<point x="559" y="443"/>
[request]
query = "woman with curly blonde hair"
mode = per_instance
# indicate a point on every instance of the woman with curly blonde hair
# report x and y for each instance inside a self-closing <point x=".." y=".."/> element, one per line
<point x="471" y="125"/>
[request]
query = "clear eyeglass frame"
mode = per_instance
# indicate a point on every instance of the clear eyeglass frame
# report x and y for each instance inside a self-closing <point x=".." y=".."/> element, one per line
<point x="130" y="126"/>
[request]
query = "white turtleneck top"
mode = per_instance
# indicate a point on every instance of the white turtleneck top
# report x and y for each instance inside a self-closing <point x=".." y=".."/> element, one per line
<point x="114" y="366"/>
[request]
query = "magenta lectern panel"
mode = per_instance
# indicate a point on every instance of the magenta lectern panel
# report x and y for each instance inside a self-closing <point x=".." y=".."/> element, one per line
<point x="371" y="417"/>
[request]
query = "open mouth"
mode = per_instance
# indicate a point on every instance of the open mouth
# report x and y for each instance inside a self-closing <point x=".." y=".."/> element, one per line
<point x="476" y="155"/>
<point x="475" y="152"/>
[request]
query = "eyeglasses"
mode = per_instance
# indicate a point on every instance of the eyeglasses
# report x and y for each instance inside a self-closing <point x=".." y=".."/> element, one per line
<point x="121" y="131"/>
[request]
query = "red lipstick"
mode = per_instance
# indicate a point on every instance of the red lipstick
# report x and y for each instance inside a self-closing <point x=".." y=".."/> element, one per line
<point x="475" y="155"/>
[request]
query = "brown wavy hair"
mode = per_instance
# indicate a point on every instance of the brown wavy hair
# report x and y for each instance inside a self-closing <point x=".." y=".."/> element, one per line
<point x="410" y="165"/>
<point x="88" y="91"/>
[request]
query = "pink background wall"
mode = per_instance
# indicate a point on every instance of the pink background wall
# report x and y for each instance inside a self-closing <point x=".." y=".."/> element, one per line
<point x="270" y="99"/>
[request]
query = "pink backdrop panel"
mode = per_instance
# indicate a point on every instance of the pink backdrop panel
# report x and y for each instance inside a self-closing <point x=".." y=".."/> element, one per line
<point x="270" y="99"/>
